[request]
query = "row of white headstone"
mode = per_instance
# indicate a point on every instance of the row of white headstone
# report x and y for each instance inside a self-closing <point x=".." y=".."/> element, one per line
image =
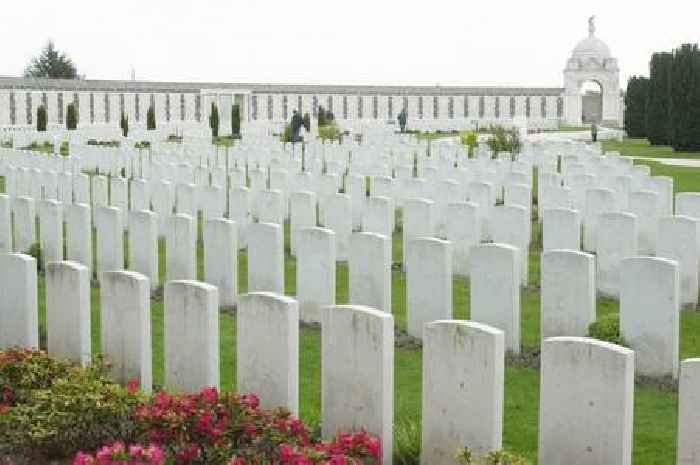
<point x="586" y="392"/>
<point x="649" y="287"/>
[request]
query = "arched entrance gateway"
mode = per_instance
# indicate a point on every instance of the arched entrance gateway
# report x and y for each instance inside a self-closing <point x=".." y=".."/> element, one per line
<point x="592" y="83"/>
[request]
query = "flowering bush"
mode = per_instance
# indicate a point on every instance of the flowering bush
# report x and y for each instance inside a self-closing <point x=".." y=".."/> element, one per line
<point x="50" y="410"/>
<point x="24" y="370"/>
<point x="119" y="454"/>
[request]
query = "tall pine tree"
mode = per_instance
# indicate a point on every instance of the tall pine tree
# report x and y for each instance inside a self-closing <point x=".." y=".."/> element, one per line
<point x="214" y="120"/>
<point x="636" y="106"/>
<point x="685" y="98"/>
<point x="658" y="125"/>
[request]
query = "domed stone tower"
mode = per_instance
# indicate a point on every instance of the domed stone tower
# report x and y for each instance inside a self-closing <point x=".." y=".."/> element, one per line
<point x="591" y="61"/>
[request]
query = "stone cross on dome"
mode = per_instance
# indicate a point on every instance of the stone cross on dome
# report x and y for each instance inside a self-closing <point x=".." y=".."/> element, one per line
<point x="591" y="26"/>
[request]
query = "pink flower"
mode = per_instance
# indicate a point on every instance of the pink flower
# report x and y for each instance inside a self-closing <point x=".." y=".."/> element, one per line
<point x="132" y="386"/>
<point x="83" y="459"/>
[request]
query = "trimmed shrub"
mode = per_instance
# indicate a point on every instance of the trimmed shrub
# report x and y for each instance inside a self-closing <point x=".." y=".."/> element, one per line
<point x="236" y="120"/>
<point x="124" y="125"/>
<point x="214" y="120"/>
<point x="636" y="106"/>
<point x="151" y="119"/>
<point x="71" y="117"/>
<point x="607" y="328"/>
<point x="41" y="118"/>
<point x="658" y="125"/>
<point x="685" y="98"/>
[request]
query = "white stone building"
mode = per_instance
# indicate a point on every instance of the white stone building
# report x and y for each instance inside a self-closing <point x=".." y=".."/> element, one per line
<point x="101" y="102"/>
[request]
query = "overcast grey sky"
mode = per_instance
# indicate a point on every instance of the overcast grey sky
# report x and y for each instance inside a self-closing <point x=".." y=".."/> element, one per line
<point x="451" y="42"/>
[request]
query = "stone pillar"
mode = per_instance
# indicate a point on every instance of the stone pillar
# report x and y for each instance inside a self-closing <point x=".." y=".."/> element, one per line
<point x="688" y="419"/>
<point x="357" y="376"/>
<point x="221" y="259"/>
<point x="125" y="308"/>
<point x="270" y="370"/>
<point x="568" y="293"/>
<point x="181" y="248"/>
<point x="5" y="224"/>
<point x="457" y="354"/>
<point x="110" y="240"/>
<point x="266" y="258"/>
<point x="68" y="311"/>
<point x="586" y="402"/>
<point x="428" y="283"/>
<point x="143" y="245"/>
<point x="561" y="229"/>
<point x="191" y="340"/>
<point x="79" y="234"/>
<point x="25" y="223"/>
<point x="315" y="272"/>
<point x="495" y="290"/>
<point x="649" y="313"/>
<point x="19" y="310"/>
<point x="302" y="215"/>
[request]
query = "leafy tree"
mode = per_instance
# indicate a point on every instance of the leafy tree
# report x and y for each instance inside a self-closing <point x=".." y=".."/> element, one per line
<point x="41" y="118"/>
<point x="685" y="98"/>
<point x="307" y="122"/>
<point x="71" y="117"/>
<point x="658" y="127"/>
<point x="214" y="120"/>
<point x="636" y="106"/>
<point x="321" y="116"/>
<point x="151" y="119"/>
<point x="51" y="63"/>
<point x="124" y="125"/>
<point x="236" y="120"/>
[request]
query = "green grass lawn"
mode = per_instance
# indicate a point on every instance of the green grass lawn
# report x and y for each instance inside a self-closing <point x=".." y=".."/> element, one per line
<point x="655" y="410"/>
<point x="642" y="148"/>
<point x="655" y="413"/>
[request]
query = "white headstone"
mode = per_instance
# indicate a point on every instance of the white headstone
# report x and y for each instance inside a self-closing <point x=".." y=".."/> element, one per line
<point x="568" y="293"/>
<point x="221" y="259"/>
<point x="428" y="283"/>
<point x="272" y="369"/>
<point x="561" y="229"/>
<point x="191" y="338"/>
<point x="125" y="309"/>
<point x="649" y="313"/>
<point x="143" y="245"/>
<point x="586" y="402"/>
<point x="181" y="248"/>
<point x="495" y="290"/>
<point x="68" y="311"/>
<point x="315" y="272"/>
<point x="266" y="258"/>
<point x="688" y="418"/>
<point x="369" y="271"/>
<point x="19" y="310"/>
<point x="463" y="376"/>
<point x="357" y="375"/>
